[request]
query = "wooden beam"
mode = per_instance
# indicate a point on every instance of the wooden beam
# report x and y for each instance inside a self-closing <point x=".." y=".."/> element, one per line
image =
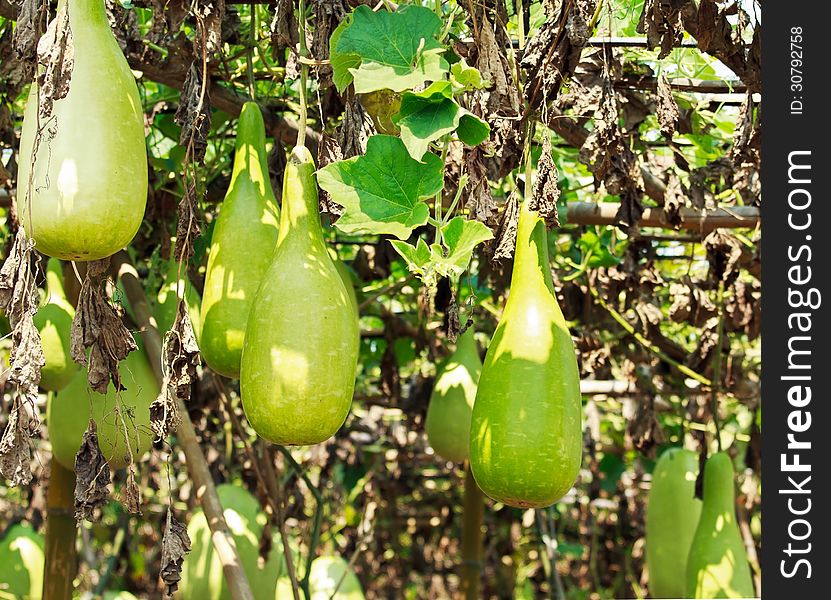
<point x="590" y="213"/>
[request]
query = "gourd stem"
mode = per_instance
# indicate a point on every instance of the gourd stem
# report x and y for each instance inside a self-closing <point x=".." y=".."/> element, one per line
<point x="472" y="554"/>
<point x="61" y="557"/>
<point x="249" y="56"/>
<point x="304" y="72"/>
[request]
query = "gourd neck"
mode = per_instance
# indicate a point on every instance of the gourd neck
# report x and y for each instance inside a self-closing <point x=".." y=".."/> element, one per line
<point x="250" y="156"/>
<point x="87" y="9"/>
<point x="718" y="484"/>
<point x="54" y="281"/>
<point x="531" y="263"/>
<point x="300" y="215"/>
<point x="466" y="344"/>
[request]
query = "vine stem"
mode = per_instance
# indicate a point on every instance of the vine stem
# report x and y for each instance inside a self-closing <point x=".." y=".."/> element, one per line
<point x="472" y="552"/>
<point x="317" y="519"/>
<point x="304" y="72"/>
<point x="645" y="342"/>
<point x="716" y="385"/>
<point x="249" y="57"/>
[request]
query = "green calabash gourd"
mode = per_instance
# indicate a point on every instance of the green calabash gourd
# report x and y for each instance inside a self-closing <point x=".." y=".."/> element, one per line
<point x="525" y="435"/>
<point x="672" y="514"/>
<point x="242" y="246"/>
<point x="175" y="287"/>
<point x="717" y="566"/>
<point x="54" y="322"/>
<point x="202" y="575"/>
<point x="451" y="404"/>
<point x="21" y="563"/>
<point x="89" y="181"/>
<point x="301" y="343"/>
<point x="69" y="412"/>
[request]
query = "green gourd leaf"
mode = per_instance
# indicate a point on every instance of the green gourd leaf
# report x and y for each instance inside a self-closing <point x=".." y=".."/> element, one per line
<point x="383" y="191"/>
<point x="387" y="50"/>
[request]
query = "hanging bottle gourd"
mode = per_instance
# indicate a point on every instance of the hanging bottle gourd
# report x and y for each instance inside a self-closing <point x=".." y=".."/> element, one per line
<point x="301" y="343"/>
<point x="87" y="192"/>
<point x="69" y="411"/>
<point x="717" y="566"/>
<point x="54" y="323"/>
<point x="242" y="246"/>
<point x="525" y="435"/>
<point x="672" y="513"/>
<point x="451" y="403"/>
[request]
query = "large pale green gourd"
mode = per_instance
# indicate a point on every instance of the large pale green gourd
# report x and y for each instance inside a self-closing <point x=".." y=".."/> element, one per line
<point x="525" y="436"/>
<point x="451" y="404"/>
<point x="242" y="246"/>
<point x="54" y="323"/>
<point x="202" y="575"/>
<point x="89" y="183"/>
<point x="672" y="513"/>
<point x="21" y="563"/>
<point x="69" y="412"/>
<point x="301" y="343"/>
<point x="176" y="286"/>
<point x="717" y="566"/>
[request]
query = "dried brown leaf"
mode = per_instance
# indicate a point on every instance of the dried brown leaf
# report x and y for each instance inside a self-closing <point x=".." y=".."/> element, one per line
<point x="194" y="112"/>
<point x="667" y="107"/>
<point x="328" y="151"/>
<point x="26" y="34"/>
<point x="644" y="429"/>
<point x="181" y="357"/>
<point x="477" y="194"/>
<point x="675" y="197"/>
<point x="56" y="54"/>
<point x="545" y="191"/>
<point x="98" y="326"/>
<point x="505" y="236"/>
<point x="724" y="252"/>
<point x="92" y="476"/>
<point x="15" y="455"/>
<point x="187" y="227"/>
<point x="131" y="495"/>
<point x="284" y="30"/>
<point x="208" y="14"/>
<point x="355" y="129"/>
<point x="175" y="546"/>
<point x="663" y="25"/>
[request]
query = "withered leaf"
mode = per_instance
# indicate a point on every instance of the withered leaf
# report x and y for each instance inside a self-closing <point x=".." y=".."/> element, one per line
<point x="97" y="325"/>
<point x="328" y="15"/>
<point x="19" y="299"/>
<point x="175" y="546"/>
<point x="328" y="151"/>
<point x="451" y="318"/>
<point x="645" y="430"/>
<point x="663" y="25"/>
<point x="208" y="14"/>
<point x="15" y="455"/>
<point x="284" y="30"/>
<point x="675" y="197"/>
<point x="194" y="112"/>
<point x="26" y="33"/>
<point x="187" y="227"/>
<point x="92" y="476"/>
<point x="667" y="107"/>
<point x="56" y="53"/>
<point x="505" y="236"/>
<point x="630" y="210"/>
<point x="477" y="194"/>
<point x="131" y="495"/>
<point x="181" y="357"/>
<point x="545" y="191"/>
<point x="356" y="128"/>
<point x="724" y="252"/>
